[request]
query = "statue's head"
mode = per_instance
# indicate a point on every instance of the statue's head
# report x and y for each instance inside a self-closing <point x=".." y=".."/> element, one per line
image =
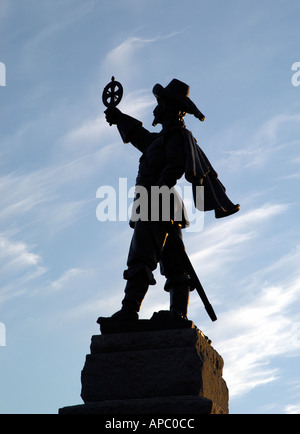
<point x="167" y="111"/>
<point x="173" y="101"/>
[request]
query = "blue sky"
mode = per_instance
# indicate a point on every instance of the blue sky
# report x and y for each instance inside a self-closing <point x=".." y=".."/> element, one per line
<point x="61" y="268"/>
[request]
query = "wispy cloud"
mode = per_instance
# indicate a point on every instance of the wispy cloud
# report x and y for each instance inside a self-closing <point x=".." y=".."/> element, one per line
<point x="257" y="311"/>
<point x="123" y="53"/>
<point x="93" y="134"/>
<point x="68" y="278"/>
<point x="40" y="194"/>
<point x="224" y="242"/>
<point x="123" y="59"/>
<point x="15" y="255"/>
<point x="253" y="334"/>
<point x="273" y="136"/>
<point x="19" y="266"/>
<point x="55" y="24"/>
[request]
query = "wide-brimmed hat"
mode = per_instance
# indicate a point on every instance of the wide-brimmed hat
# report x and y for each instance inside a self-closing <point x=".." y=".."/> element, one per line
<point x="179" y="92"/>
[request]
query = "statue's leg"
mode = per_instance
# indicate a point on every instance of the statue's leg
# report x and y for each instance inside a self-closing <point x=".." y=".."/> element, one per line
<point x="144" y="254"/>
<point x="179" y="299"/>
<point x="135" y="291"/>
<point x="178" y="282"/>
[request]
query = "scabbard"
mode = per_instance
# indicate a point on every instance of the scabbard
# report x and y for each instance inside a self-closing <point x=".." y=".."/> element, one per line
<point x="198" y="286"/>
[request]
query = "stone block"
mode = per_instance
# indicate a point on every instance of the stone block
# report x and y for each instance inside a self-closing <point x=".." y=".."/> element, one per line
<point x="153" y="364"/>
<point x="173" y="405"/>
<point x="146" y="369"/>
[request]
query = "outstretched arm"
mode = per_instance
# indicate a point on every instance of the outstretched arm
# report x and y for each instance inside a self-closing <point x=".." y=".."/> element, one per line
<point x="130" y="129"/>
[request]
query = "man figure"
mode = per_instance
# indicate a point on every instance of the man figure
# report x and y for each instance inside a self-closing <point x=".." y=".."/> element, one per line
<point x="166" y="156"/>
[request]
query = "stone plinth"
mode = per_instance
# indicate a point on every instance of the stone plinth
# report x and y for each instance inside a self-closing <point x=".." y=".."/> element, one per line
<point x="152" y="372"/>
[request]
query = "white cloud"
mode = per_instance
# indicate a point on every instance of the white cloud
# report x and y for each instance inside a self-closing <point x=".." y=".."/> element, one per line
<point x="89" y="130"/>
<point x="273" y="136"/>
<point x="138" y="102"/>
<point x="22" y="193"/>
<point x="227" y="241"/>
<point x="123" y="53"/>
<point x="256" y="311"/>
<point x="40" y="194"/>
<point x="15" y="256"/>
<point x="68" y="279"/>
<point x="57" y="21"/>
<point x="251" y="335"/>
<point x="92" y="308"/>
<point x="123" y="59"/>
<point x="95" y="133"/>
<point x="292" y="409"/>
<point x="19" y="266"/>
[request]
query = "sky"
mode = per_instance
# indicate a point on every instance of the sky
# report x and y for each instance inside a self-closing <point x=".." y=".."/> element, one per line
<point x="61" y="267"/>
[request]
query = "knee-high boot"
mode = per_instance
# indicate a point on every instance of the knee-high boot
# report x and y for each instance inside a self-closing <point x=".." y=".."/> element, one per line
<point x="179" y="301"/>
<point x="135" y="291"/>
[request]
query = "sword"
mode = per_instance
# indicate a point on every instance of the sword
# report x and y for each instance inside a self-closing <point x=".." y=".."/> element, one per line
<point x="111" y="97"/>
<point x="198" y="286"/>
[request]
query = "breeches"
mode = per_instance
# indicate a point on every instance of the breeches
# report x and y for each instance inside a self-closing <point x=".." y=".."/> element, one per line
<point x="151" y="244"/>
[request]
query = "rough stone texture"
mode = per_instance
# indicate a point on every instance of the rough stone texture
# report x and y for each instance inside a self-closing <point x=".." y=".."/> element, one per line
<point x="196" y="405"/>
<point x="160" y="371"/>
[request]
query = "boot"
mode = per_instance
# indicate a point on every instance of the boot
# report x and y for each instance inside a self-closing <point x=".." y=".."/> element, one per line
<point x="222" y="212"/>
<point x="135" y="292"/>
<point x="179" y="301"/>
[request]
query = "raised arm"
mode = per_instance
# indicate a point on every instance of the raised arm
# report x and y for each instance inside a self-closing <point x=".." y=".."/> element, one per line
<point x="130" y="129"/>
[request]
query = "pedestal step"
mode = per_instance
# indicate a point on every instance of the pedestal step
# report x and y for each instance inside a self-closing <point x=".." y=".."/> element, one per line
<point x="158" y="371"/>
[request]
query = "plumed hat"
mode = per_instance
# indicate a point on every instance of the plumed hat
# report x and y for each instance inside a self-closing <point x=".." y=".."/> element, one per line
<point x="179" y="92"/>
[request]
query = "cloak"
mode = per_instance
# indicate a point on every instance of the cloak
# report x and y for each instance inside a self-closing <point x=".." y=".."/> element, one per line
<point x="198" y="169"/>
<point x="200" y="172"/>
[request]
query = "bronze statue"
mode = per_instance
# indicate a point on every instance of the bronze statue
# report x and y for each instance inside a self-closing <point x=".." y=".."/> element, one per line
<point x="166" y="157"/>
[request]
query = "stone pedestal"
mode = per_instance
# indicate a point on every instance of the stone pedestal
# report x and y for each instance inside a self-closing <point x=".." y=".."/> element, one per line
<point x="173" y="371"/>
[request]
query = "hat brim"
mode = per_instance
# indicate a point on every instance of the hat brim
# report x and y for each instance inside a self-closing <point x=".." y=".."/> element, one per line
<point x="186" y="104"/>
<point x="160" y="92"/>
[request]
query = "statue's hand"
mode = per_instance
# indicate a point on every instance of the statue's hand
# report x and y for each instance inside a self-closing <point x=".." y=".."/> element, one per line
<point x="112" y="115"/>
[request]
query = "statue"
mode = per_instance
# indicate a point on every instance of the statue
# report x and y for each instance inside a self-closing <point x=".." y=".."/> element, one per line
<point x="166" y="156"/>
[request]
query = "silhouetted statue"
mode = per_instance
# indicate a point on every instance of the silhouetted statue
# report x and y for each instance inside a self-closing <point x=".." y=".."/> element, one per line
<point x="166" y="157"/>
